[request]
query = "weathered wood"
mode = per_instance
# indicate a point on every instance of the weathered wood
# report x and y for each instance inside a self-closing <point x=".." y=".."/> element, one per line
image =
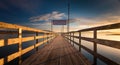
<point x="20" y="44"/>
<point x="2" y="42"/>
<point x="2" y="61"/>
<point x="80" y="41"/>
<point x="95" y="47"/>
<point x="58" y="52"/>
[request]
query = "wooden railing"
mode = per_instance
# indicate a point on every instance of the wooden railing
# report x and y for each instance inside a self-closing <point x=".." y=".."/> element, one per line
<point x="115" y="44"/>
<point x="6" y="28"/>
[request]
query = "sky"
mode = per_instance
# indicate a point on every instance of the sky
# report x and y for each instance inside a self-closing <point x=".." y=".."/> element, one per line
<point x="40" y="13"/>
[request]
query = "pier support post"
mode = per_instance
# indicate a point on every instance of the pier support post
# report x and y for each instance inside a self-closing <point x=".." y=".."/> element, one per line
<point x="20" y="45"/>
<point x="95" y="47"/>
<point x="47" y="38"/>
<point x="36" y="41"/>
<point x="70" y="37"/>
<point x="73" y="39"/>
<point x="80" y="41"/>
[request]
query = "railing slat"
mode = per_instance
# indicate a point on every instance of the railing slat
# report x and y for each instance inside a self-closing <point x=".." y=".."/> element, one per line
<point x="110" y="43"/>
<point x="16" y="40"/>
<point x="105" y="27"/>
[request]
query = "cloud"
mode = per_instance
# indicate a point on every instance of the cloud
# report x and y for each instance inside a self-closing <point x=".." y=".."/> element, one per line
<point x="102" y="20"/>
<point x="82" y="23"/>
<point x="47" y="17"/>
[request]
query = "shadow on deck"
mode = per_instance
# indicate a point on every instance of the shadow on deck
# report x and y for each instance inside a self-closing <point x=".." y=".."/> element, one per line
<point x="58" y="52"/>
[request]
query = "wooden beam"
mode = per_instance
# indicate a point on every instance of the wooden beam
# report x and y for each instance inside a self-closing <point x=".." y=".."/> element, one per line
<point x="110" y="43"/>
<point x="14" y="26"/>
<point x="20" y="45"/>
<point x="105" y="27"/>
<point x="2" y="61"/>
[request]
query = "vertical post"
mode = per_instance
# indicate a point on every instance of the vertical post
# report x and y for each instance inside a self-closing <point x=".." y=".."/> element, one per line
<point x="95" y="47"/>
<point x="47" y="38"/>
<point x="73" y="38"/>
<point x="36" y="41"/>
<point x="70" y="37"/>
<point x="43" y="37"/>
<point x="80" y="41"/>
<point x="20" y="45"/>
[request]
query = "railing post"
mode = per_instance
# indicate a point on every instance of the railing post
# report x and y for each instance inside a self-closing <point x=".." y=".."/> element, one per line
<point x="43" y="37"/>
<point x="73" y="38"/>
<point x="47" y="38"/>
<point x="20" y="45"/>
<point x="70" y="37"/>
<point x="36" y="41"/>
<point x="95" y="47"/>
<point x="80" y="41"/>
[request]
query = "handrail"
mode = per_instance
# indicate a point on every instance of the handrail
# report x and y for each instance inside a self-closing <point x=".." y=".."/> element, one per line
<point x="14" y="26"/>
<point x="115" y="44"/>
<point x="46" y="35"/>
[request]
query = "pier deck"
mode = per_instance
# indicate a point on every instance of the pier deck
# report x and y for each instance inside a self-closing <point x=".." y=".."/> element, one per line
<point x="57" y="52"/>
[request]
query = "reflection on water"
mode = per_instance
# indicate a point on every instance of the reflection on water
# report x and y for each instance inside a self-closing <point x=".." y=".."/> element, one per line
<point x="109" y="52"/>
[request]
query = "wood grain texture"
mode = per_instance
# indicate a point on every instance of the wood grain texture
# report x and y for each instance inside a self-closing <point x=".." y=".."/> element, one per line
<point x="58" y="52"/>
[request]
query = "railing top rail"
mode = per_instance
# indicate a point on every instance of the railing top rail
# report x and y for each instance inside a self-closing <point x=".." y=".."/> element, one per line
<point x="105" y="27"/>
<point x="14" y="26"/>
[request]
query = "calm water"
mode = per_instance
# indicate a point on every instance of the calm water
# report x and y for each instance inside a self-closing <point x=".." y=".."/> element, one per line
<point x="109" y="52"/>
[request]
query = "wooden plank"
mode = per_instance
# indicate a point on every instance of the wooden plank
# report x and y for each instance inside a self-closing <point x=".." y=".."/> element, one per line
<point x="16" y="40"/>
<point x="25" y="39"/>
<point x="13" y="41"/>
<point x="27" y="49"/>
<point x="2" y="42"/>
<point x="58" y="52"/>
<point x="105" y="27"/>
<point x="13" y="56"/>
<point x="2" y="61"/>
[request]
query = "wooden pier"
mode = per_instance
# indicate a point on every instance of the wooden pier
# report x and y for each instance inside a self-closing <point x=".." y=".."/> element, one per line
<point x="59" y="49"/>
<point x="58" y="52"/>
